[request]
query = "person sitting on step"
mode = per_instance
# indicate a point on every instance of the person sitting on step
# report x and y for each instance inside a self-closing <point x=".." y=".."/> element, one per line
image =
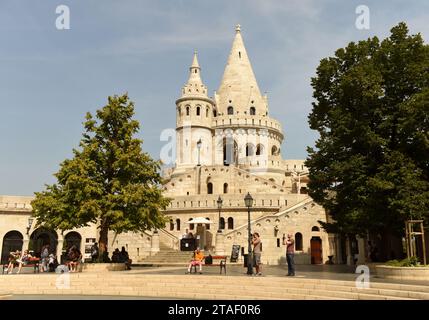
<point x="197" y="260"/>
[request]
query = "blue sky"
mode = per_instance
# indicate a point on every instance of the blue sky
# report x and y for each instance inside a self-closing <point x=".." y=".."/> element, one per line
<point x="50" y="78"/>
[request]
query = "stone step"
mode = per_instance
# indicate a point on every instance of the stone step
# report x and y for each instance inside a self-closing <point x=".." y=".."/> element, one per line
<point x="123" y="286"/>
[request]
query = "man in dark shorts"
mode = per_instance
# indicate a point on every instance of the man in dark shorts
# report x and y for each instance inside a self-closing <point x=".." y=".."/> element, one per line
<point x="257" y="251"/>
<point x="289" y="242"/>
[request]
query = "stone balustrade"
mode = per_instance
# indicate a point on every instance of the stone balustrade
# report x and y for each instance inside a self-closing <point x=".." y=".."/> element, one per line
<point x="229" y="201"/>
<point x="15" y="206"/>
<point x="244" y="121"/>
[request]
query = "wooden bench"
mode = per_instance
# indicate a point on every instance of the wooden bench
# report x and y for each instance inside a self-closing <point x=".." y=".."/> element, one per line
<point x="32" y="263"/>
<point x="221" y="264"/>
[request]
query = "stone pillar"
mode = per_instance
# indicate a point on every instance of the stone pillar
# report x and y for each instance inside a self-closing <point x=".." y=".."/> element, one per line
<point x="361" y="248"/>
<point x="220" y="244"/>
<point x="26" y="243"/>
<point x="349" y="253"/>
<point x="338" y="259"/>
<point x="60" y="247"/>
<point x="155" y="243"/>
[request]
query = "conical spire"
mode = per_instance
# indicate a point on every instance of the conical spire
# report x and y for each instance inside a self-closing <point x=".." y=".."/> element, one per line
<point x="239" y="87"/>
<point x="194" y="86"/>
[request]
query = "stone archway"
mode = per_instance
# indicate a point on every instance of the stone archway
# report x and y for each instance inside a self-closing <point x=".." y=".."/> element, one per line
<point x="12" y="241"/>
<point x="72" y="238"/>
<point x="43" y="236"/>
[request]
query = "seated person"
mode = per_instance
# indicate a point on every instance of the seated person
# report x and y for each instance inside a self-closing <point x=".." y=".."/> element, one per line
<point x="24" y="260"/>
<point x="116" y="256"/>
<point x="125" y="258"/>
<point x="52" y="263"/>
<point x="74" y="256"/>
<point x="13" y="259"/>
<point x="196" y="260"/>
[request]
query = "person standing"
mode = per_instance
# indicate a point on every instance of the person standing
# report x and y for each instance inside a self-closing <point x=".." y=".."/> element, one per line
<point x="289" y="242"/>
<point x="94" y="252"/>
<point x="257" y="252"/>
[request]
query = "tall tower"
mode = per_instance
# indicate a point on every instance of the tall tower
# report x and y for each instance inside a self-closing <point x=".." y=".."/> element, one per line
<point x="194" y="113"/>
<point x="244" y="133"/>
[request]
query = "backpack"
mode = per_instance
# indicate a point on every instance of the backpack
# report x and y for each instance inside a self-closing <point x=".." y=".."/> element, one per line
<point x="208" y="259"/>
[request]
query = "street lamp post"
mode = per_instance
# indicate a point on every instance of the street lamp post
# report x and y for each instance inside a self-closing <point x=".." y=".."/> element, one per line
<point x="199" y="143"/>
<point x="248" y="200"/>
<point x="219" y="206"/>
<point x="30" y="223"/>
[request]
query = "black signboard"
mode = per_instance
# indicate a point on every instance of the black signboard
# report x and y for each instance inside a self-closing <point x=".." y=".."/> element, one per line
<point x="235" y="252"/>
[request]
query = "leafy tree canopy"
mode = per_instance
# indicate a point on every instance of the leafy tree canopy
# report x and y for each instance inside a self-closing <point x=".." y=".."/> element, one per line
<point x="370" y="166"/>
<point x="109" y="181"/>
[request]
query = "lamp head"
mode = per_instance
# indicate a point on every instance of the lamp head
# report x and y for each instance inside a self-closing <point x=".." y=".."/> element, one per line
<point x="248" y="200"/>
<point x="219" y="202"/>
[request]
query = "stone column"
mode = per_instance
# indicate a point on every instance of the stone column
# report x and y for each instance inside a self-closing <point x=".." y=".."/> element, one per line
<point x="60" y="247"/>
<point x="26" y="242"/>
<point x="155" y="243"/>
<point x="361" y="248"/>
<point x="220" y="244"/>
<point x="338" y="253"/>
<point x="349" y="253"/>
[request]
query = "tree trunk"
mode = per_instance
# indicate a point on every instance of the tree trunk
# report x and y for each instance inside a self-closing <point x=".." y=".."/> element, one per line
<point x="104" y="253"/>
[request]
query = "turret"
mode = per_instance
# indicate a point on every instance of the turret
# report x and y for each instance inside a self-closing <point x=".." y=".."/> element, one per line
<point x="194" y="110"/>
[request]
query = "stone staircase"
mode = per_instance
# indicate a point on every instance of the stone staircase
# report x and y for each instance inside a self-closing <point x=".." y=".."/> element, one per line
<point x="166" y="257"/>
<point x="135" y="283"/>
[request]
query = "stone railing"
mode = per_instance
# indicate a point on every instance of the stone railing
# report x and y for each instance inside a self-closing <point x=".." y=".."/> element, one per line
<point x="168" y="239"/>
<point x="303" y="201"/>
<point x="15" y="206"/>
<point x="246" y="121"/>
<point x="230" y="201"/>
<point x="258" y="178"/>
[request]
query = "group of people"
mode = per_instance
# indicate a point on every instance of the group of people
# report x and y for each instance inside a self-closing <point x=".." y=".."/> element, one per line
<point x="122" y="257"/>
<point x="289" y="242"/>
<point x="47" y="261"/>
<point x="16" y="258"/>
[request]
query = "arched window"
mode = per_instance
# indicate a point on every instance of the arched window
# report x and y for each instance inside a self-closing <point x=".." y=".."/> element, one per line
<point x="198" y="111"/>
<point x="208" y="224"/>
<point x="230" y="223"/>
<point x="187" y="110"/>
<point x="12" y="241"/>
<point x="252" y="111"/>
<point x="209" y="188"/>
<point x="250" y="150"/>
<point x="315" y="228"/>
<point x="214" y="113"/>
<point x="222" y="223"/>
<point x="230" y="151"/>
<point x="225" y="188"/>
<point x="191" y="226"/>
<point x="171" y="225"/>
<point x="179" y="112"/>
<point x="298" y="241"/>
<point x="178" y="224"/>
<point x="230" y="110"/>
<point x="207" y="112"/>
<point x="259" y="149"/>
<point x="274" y="151"/>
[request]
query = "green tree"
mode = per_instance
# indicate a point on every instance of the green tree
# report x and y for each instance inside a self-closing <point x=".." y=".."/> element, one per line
<point x="369" y="167"/>
<point x="110" y="181"/>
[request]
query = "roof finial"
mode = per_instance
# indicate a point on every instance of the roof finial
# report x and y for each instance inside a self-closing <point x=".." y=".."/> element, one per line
<point x="237" y="28"/>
